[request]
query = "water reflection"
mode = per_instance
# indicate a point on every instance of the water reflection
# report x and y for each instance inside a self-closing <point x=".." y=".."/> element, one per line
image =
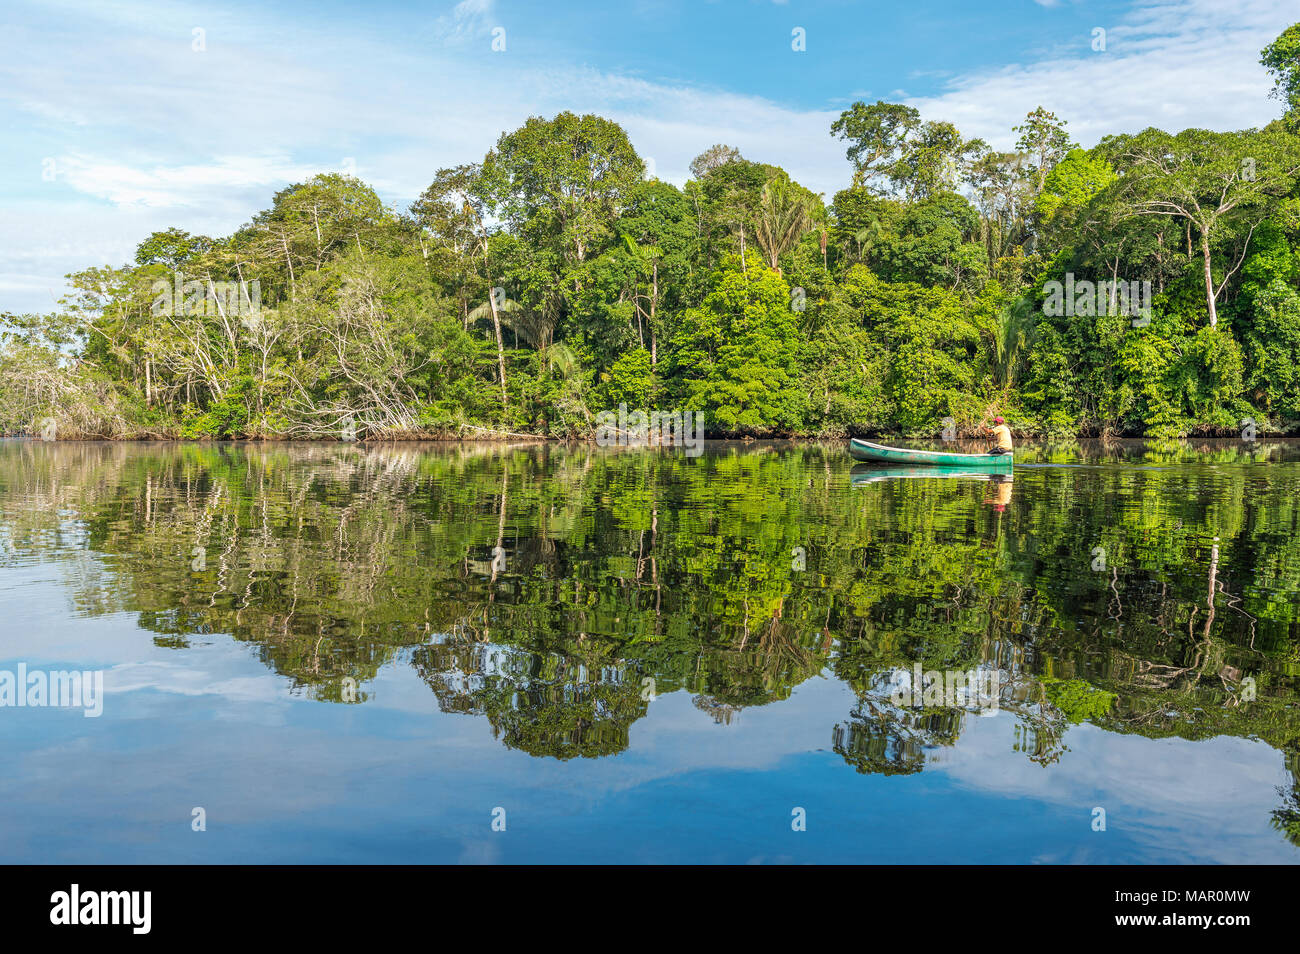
<point x="557" y="592"/>
<point x="999" y="493"/>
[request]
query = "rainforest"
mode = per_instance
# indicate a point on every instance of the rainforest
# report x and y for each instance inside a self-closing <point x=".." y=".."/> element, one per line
<point x="552" y="280"/>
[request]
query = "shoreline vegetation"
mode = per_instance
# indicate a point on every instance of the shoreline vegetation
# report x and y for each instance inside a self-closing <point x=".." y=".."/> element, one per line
<point x="1035" y="452"/>
<point x="1146" y="287"/>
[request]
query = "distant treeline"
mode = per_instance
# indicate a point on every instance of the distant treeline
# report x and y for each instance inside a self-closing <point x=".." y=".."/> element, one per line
<point x="1147" y="286"/>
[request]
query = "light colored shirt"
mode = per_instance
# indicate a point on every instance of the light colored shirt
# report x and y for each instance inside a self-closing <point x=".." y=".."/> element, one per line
<point x="1002" y="437"/>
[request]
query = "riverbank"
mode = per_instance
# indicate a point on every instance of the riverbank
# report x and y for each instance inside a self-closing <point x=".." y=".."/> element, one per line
<point x="501" y="436"/>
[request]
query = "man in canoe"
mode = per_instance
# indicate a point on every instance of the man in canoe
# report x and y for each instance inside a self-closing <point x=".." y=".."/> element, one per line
<point x="1001" y="437"/>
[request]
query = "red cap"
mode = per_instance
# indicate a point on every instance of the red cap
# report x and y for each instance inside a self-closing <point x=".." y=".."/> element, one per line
<point x="998" y="420"/>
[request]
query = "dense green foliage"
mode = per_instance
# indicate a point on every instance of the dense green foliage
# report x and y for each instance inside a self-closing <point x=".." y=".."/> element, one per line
<point x="554" y="280"/>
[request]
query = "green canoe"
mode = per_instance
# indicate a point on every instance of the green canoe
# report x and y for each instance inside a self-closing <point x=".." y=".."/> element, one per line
<point x="879" y="454"/>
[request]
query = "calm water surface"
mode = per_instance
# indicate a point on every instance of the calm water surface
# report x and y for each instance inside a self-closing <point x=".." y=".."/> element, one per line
<point x="360" y="654"/>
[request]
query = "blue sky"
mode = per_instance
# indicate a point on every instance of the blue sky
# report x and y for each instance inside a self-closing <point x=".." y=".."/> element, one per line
<point x="114" y="125"/>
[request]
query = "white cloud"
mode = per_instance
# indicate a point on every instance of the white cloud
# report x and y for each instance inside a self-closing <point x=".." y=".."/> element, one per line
<point x="1146" y="787"/>
<point x="1171" y="63"/>
<point x="193" y="186"/>
<point x="201" y="141"/>
<point x="468" y="19"/>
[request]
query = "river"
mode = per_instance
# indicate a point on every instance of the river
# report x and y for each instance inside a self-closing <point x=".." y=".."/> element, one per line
<point x="526" y="653"/>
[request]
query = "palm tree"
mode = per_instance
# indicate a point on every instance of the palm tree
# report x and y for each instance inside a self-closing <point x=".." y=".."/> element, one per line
<point x="868" y="235"/>
<point x="536" y="326"/>
<point x="497" y="305"/>
<point x="1015" y="330"/>
<point x="785" y="213"/>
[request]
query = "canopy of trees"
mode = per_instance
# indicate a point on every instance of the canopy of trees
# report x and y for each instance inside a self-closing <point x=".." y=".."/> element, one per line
<point x="553" y="279"/>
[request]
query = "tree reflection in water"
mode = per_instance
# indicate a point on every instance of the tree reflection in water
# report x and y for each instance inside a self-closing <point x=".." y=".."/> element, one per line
<point x="555" y="591"/>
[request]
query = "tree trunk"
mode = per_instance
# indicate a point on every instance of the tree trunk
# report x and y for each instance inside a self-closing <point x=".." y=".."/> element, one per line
<point x="501" y="351"/>
<point x="1209" y="278"/>
<point x="288" y="258"/>
<point x="654" y="300"/>
<point x="1160" y="262"/>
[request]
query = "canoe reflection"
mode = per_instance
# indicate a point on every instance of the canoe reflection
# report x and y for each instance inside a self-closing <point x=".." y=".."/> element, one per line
<point x="997" y="496"/>
<point x="870" y="473"/>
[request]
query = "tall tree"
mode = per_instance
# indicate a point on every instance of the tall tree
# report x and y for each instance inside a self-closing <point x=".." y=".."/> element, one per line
<point x="658" y="234"/>
<point x="450" y="218"/>
<point x="453" y="210"/>
<point x="888" y="143"/>
<point x="998" y="181"/>
<point x="1282" y="59"/>
<point x="562" y="181"/>
<point x="1043" y="137"/>
<point x="1215" y="182"/>
<point x="876" y="135"/>
<point x="711" y="158"/>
